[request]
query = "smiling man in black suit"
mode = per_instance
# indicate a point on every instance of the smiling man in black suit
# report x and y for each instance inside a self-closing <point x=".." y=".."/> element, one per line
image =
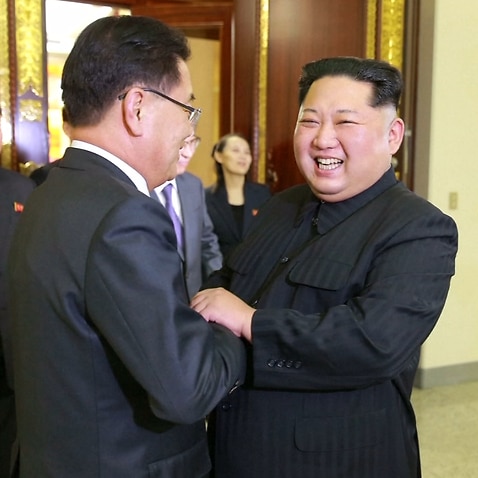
<point x="336" y="288"/>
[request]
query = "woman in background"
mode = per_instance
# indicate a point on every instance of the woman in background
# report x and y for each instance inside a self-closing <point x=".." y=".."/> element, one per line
<point x="233" y="200"/>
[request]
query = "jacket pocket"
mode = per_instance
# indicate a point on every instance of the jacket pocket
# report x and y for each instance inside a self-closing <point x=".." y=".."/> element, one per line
<point x="321" y="273"/>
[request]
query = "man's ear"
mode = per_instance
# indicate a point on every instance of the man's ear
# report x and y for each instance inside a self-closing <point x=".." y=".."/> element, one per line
<point x="395" y="135"/>
<point x="132" y="105"/>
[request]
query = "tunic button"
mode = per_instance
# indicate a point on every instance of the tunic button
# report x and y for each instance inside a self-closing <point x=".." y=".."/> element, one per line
<point x="226" y="406"/>
<point x="271" y="363"/>
<point x="297" y="364"/>
<point x="284" y="260"/>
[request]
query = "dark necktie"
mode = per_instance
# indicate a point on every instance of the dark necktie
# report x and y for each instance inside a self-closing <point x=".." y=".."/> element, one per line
<point x="178" y="227"/>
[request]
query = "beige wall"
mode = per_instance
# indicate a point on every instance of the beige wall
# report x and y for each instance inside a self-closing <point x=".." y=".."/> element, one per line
<point x="204" y="67"/>
<point x="447" y="132"/>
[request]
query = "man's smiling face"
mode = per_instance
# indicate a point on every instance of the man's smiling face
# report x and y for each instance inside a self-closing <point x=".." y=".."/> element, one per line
<point x="342" y="144"/>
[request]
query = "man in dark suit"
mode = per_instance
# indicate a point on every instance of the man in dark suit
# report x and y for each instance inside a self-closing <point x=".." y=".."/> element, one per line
<point x="14" y="191"/>
<point x="200" y="252"/>
<point x="336" y="288"/>
<point x="114" y="372"/>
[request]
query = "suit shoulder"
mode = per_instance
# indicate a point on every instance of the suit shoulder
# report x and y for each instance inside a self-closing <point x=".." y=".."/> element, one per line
<point x="188" y="177"/>
<point x="13" y="177"/>
<point x="215" y="191"/>
<point x="40" y="174"/>
<point x="187" y="182"/>
<point x="297" y="193"/>
<point x="258" y="190"/>
<point x="288" y="202"/>
<point x="14" y="181"/>
<point x="258" y="187"/>
<point x="398" y="208"/>
<point x="399" y="197"/>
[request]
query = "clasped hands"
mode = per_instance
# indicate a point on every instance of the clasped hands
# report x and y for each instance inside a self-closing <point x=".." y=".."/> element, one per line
<point x="221" y="306"/>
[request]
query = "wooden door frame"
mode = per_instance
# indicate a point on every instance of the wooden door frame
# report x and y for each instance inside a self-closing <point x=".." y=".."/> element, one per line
<point x="217" y="21"/>
<point x="234" y="22"/>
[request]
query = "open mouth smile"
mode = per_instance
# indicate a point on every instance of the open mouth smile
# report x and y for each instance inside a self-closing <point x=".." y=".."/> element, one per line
<point x="327" y="164"/>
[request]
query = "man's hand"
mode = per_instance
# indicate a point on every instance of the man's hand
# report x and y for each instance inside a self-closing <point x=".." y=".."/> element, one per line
<point x="223" y="307"/>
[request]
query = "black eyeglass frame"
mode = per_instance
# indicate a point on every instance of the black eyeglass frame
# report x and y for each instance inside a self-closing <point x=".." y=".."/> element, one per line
<point x="194" y="113"/>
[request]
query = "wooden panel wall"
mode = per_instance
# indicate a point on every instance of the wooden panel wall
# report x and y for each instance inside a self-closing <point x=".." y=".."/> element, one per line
<point x="206" y="20"/>
<point x="298" y="35"/>
<point x="298" y="31"/>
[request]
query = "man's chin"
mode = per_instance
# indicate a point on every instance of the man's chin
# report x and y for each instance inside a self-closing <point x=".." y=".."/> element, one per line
<point x="173" y="171"/>
<point x="181" y="167"/>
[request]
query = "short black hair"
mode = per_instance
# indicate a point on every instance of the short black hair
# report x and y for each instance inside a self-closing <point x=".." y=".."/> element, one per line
<point x="385" y="79"/>
<point x="114" y="53"/>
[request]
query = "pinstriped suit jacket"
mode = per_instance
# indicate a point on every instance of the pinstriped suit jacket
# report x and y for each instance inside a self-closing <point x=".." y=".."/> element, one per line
<point x="336" y="334"/>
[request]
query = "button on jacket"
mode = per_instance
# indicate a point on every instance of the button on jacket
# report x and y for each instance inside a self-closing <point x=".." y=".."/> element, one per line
<point x="336" y="335"/>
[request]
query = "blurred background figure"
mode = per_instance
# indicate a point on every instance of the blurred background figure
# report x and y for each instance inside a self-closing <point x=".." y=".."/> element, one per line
<point x="14" y="190"/>
<point x="200" y="251"/>
<point x="233" y="200"/>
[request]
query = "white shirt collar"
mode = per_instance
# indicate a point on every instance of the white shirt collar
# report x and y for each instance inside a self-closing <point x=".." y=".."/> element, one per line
<point x="132" y="174"/>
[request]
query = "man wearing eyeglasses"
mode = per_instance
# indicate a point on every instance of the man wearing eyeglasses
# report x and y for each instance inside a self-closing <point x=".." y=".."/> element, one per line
<point x="200" y="250"/>
<point x="114" y="372"/>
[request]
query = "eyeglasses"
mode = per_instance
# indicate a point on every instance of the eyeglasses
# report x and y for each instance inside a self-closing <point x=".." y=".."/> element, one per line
<point x="193" y="142"/>
<point x="194" y="113"/>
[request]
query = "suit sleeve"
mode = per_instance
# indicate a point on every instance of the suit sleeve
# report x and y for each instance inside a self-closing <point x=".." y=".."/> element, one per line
<point x="352" y="324"/>
<point x="136" y="297"/>
<point x="211" y="253"/>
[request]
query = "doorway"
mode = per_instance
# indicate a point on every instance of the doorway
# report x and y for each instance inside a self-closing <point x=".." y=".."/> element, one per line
<point x="204" y="66"/>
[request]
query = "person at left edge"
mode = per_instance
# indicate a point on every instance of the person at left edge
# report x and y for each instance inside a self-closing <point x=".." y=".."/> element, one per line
<point x="14" y="191"/>
<point x="201" y="255"/>
<point x="116" y="372"/>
